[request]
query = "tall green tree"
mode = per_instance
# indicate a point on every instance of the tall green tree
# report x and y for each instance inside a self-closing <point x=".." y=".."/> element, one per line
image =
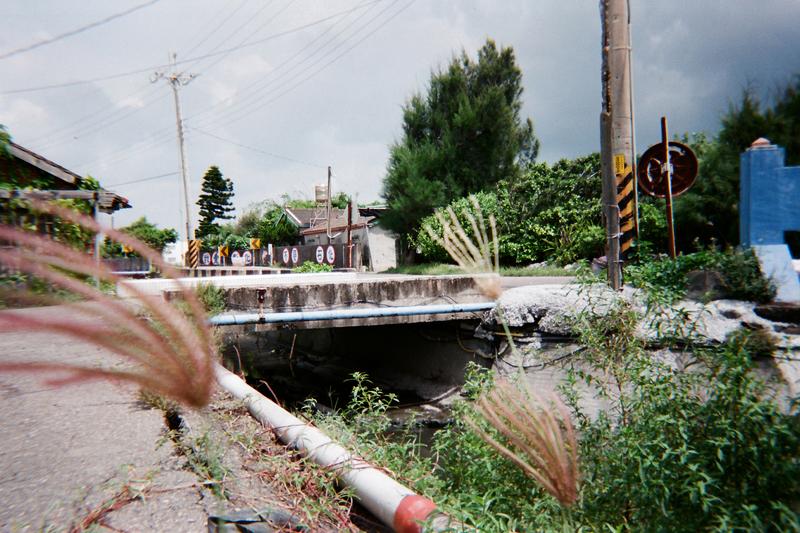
<point x="214" y="202"/>
<point x="709" y="212"/>
<point x="464" y="135"/>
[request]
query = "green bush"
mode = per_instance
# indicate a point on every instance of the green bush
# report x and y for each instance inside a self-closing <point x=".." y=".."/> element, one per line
<point x="237" y="242"/>
<point x="311" y="266"/>
<point x="706" y="450"/>
<point x="739" y="269"/>
<point x="550" y="212"/>
<point x="429" y="248"/>
<point x="212" y="298"/>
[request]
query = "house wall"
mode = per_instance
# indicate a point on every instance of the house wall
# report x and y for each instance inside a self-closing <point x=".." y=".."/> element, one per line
<point x="381" y="250"/>
<point x="769" y="203"/>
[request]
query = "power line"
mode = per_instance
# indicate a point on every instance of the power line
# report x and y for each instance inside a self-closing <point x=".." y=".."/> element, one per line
<point x="216" y="61"/>
<point x="140" y="180"/>
<point x="253" y="90"/>
<point x="183" y="61"/>
<point x="126" y="152"/>
<point x="77" y="30"/>
<point x="262" y="104"/>
<point x="217" y="27"/>
<point x="271" y="154"/>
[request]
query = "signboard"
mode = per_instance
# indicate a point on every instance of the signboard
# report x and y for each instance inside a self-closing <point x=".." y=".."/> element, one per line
<point x="295" y="256"/>
<point x="285" y="256"/>
<point x="319" y="255"/>
<point x="247" y="258"/>
<point x="330" y="254"/>
<point x="206" y="259"/>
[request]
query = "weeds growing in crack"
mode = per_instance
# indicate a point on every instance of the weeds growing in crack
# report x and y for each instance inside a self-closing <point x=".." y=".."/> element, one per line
<point x="172" y="353"/>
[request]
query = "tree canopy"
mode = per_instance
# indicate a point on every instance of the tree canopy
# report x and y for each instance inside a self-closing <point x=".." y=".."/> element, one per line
<point x="709" y="212"/>
<point x="214" y="202"/>
<point x="145" y="231"/>
<point x="464" y="135"/>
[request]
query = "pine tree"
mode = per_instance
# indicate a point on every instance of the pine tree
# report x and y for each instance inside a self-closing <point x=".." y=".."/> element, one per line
<point x="214" y="202"/>
<point x="464" y="135"/>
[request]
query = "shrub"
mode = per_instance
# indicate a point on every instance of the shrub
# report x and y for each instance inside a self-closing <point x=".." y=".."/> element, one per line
<point x="739" y="269"/>
<point x="311" y="266"/>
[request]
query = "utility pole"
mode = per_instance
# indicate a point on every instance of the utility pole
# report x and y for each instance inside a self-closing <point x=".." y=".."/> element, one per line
<point x="328" y="205"/>
<point x="178" y="79"/>
<point x="616" y="125"/>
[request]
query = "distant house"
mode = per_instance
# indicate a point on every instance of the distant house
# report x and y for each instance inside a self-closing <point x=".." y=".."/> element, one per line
<point x="26" y="173"/>
<point x="374" y="246"/>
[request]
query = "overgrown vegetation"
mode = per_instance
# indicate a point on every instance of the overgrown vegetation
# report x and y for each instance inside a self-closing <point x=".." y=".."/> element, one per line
<point x="738" y="271"/>
<point x="547" y="213"/>
<point x="311" y="266"/>
<point x="670" y="450"/>
<point x="145" y="231"/>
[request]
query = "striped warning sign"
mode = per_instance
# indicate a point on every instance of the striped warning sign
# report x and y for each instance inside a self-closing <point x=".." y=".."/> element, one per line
<point x="625" y="201"/>
<point x="193" y="253"/>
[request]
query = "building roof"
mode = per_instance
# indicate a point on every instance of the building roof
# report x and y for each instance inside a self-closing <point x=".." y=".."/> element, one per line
<point x="107" y="201"/>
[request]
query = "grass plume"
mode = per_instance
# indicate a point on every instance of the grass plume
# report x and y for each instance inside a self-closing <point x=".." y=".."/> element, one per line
<point x="476" y="254"/>
<point x="172" y="352"/>
<point x="537" y="436"/>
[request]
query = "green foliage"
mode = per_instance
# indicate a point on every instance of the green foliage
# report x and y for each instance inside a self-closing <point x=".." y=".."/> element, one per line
<point x="741" y="274"/>
<point x="266" y="221"/>
<point x="683" y="451"/>
<point x="429" y="248"/>
<point x="237" y="242"/>
<point x="5" y="138"/>
<point x="706" y="211"/>
<point x="311" y="266"/>
<point x="145" y="231"/>
<point x="550" y="212"/>
<point x="214" y="202"/>
<point x="212" y="298"/>
<point x="463" y="136"/>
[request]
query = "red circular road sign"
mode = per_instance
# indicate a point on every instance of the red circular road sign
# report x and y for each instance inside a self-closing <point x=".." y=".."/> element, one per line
<point x="651" y="172"/>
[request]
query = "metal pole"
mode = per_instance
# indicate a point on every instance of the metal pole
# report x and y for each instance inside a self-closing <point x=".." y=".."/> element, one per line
<point x="610" y="207"/>
<point x="349" y="234"/>
<point x="667" y="173"/>
<point x="175" y="80"/>
<point x="98" y="239"/>
<point x="328" y="205"/>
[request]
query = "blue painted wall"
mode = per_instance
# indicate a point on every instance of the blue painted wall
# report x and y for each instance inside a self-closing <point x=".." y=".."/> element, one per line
<point x="769" y="196"/>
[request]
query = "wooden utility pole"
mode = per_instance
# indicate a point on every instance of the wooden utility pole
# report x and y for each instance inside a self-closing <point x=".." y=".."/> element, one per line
<point x="615" y="123"/>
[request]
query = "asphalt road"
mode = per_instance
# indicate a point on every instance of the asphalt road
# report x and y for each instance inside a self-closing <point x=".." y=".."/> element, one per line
<point x="65" y="450"/>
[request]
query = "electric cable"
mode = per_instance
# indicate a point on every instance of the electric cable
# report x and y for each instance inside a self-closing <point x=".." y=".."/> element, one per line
<point x="178" y="62"/>
<point x="253" y="89"/>
<point x="249" y="111"/>
<point x="140" y="180"/>
<point x="77" y="30"/>
<point x="259" y="150"/>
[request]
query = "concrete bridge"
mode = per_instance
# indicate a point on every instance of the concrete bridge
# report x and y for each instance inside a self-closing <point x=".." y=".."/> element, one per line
<point x="309" y="301"/>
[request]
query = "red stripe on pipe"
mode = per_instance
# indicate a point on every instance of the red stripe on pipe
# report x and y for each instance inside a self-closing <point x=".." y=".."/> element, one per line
<point x="411" y="513"/>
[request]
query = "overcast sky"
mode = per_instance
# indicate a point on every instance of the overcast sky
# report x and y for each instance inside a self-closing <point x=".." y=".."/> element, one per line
<point x="323" y="82"/>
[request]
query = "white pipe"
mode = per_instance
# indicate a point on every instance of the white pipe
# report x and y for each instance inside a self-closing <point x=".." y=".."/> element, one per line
<point x="394" y="504"/>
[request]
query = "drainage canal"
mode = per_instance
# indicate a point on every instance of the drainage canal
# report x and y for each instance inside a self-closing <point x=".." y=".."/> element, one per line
<point x="423" y="364"/>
